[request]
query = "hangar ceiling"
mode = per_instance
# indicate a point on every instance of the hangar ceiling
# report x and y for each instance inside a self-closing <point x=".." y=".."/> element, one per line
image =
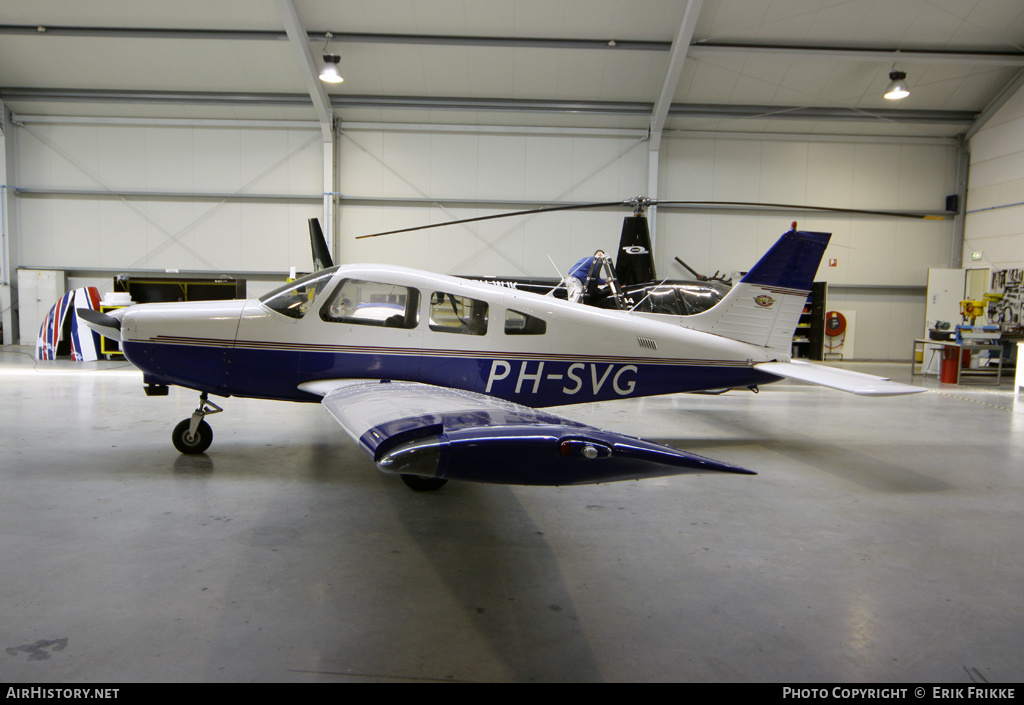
<point x="752" y="66"/>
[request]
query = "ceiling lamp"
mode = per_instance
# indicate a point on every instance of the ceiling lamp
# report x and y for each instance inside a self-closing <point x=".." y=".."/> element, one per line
<point x="330" y="72"/>
<point x="898" y="89"/>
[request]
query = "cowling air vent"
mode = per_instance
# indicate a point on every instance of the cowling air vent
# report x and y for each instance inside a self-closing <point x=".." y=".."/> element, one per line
<point x="647" y="343"/>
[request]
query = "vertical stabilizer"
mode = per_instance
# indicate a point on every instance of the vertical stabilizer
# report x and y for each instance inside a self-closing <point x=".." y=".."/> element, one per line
<point x="764" y="307"/>
<point x="634" y="263"/>
<point x="321" y="255"/>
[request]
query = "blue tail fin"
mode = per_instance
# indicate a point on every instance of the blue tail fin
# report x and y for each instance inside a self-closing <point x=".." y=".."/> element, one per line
<point x="765" y="306"/>
<point x="792" y="262"/>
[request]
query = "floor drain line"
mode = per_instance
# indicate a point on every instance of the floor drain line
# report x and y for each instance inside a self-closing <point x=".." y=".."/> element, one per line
<point x="975" y="401"/>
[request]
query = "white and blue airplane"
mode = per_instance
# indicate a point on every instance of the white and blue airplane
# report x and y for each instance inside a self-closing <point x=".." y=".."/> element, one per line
<point x="440" y="378"/>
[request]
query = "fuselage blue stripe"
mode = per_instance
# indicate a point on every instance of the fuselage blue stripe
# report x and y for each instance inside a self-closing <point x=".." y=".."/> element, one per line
<point x="435" y="352"/>
<point x="534" y="381"/>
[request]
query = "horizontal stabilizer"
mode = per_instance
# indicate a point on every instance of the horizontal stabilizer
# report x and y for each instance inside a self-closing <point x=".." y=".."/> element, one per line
<point x="843" y="380"/>
<point x="418" y="429"/>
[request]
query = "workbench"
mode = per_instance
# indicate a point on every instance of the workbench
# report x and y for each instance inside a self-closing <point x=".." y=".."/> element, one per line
<point x="959" y="348"/>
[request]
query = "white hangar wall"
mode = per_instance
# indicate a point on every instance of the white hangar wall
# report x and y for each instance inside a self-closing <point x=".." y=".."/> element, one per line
<point x="995" y="196"/>
<point x="154" y="196"/>
<point x="391" y="179"/>
<point x="875" y="251"/>
<point x="876" y="266"/>
<point x="145" y="196"/>
<point x="394" y="178"/>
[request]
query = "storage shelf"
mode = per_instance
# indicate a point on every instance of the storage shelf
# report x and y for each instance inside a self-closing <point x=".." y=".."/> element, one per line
<point x="809" y="338"/>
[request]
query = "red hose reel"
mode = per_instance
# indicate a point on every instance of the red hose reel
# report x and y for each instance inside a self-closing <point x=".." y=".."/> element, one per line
<point x="835" y="332"/>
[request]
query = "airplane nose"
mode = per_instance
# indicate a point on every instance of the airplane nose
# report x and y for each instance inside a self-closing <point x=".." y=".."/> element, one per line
<point x="188" y="343"/>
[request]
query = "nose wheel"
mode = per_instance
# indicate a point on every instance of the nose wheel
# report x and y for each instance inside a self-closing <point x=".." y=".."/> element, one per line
<point x="194" y="435"/>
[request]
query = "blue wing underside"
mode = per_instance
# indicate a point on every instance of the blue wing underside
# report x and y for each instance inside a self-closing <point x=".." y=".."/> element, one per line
<point x="420" y="429"/>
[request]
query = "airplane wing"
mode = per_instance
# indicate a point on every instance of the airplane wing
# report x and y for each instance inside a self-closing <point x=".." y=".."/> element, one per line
<point x="409" y="428"/>
<point x="843" y="380"/>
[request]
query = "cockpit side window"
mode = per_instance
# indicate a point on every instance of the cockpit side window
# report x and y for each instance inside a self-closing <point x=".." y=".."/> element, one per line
<point x="450" y="313"/>
<point x="372" y="303"/>
<point x="294" y="298"/>
<point x="518" y="323"/>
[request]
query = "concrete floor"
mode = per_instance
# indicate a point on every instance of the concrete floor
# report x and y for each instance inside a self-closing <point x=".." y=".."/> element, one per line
<point x="881" y="542"/>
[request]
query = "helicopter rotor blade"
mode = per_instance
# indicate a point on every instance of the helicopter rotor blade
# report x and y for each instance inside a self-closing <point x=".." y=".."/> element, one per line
<point x="547" y="209"/>
<point x="639" y="203"/>
<point x="792" y="207"/>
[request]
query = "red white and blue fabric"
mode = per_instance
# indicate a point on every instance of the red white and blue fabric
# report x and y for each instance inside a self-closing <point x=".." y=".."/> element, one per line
<point x="84" y="343"/>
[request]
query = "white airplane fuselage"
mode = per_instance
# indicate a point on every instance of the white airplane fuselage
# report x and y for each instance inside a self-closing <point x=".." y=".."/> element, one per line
<point x="530" y="349"/>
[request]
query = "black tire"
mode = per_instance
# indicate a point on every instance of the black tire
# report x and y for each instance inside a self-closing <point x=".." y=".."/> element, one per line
<point x="423" y="484"/>
<point x="197" y="444"/>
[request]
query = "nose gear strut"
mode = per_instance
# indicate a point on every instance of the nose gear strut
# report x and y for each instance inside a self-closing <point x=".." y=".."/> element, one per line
<point x="194" y="435"/>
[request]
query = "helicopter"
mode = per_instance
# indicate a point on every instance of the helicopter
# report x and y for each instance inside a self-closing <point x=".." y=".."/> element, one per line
<point x="626" y="282"/>
<point x="629" y="281"/>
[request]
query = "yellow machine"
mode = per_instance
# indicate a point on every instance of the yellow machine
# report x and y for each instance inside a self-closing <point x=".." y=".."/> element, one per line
<point x="971" y="309"/>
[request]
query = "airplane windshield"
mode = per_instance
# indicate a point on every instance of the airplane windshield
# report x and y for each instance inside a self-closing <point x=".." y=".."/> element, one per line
<point x="294" y="298"/>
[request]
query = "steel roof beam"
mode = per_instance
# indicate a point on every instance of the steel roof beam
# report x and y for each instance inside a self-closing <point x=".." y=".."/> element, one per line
<point x="639" y="109"/>
<point x="299" y="42"/>
<point x="903" y="56"/>
<point x="696" y="50"/>
<point x="677" y="57"/>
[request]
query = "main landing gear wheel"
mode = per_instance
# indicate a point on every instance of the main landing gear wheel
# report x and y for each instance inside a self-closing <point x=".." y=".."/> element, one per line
<point x="194" y="435"/>
<point x="423" y="484"/>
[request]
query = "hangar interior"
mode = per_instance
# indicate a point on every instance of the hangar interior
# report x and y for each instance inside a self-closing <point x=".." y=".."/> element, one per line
<point x="190" y="141"/>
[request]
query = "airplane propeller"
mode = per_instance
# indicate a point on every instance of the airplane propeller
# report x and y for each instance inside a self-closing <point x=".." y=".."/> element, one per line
<point x="101" y="322"/>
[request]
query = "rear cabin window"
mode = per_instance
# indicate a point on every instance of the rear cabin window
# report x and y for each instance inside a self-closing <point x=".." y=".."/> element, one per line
<point x="372" y="303"/>
<point x="295" y="298"/>
<point x="450" y="313"/>
<point x="517" y="323"/>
